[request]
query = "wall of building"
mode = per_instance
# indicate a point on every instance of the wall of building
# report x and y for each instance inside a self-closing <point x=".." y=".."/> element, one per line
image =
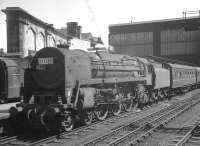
<point x="27" y="34"/>
<point x="180" y="42"/>
<point x="76" y="43"/>
<point x="138" y="43"/>
<point x="172" y="38"/>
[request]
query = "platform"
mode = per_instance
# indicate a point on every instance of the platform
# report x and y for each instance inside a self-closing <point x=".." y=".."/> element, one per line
<point x="4" y="110"/>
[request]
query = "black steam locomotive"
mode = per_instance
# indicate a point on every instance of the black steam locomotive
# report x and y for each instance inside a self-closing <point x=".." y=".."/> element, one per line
<point x="78" y="86"/>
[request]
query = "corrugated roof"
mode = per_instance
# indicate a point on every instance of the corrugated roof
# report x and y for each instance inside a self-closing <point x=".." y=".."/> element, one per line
<point x="181" y="66"/>
<point x="155" y="21"/>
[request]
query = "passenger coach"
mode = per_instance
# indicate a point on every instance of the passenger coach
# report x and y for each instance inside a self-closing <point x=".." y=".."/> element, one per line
<point x="12" y="78"/>
<point x="182" y="77"/>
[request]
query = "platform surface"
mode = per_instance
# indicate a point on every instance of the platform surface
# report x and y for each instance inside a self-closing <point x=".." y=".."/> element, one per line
<point x="4" y="110"/>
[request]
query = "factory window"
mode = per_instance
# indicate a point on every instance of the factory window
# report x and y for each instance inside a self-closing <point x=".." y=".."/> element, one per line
<point x="123" y="37"/>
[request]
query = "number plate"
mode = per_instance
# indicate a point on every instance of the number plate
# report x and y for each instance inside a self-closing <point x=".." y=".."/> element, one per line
<point x="48" y="60"/>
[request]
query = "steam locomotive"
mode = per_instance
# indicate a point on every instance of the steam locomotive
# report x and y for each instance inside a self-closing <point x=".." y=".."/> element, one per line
<point x="79" y="86"/>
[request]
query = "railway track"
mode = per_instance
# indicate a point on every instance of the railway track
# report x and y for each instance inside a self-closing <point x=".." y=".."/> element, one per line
<point x="71" y="138"/>
<point x="132" y="134"/>
<point x="187" y="136"/>
<point x="15" y="140"/>
<point x="4" y="139"/>
<point x="85" y="129"/>
<point x="82" y="132"/>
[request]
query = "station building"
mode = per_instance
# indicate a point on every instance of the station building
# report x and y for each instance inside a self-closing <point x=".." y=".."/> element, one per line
<point x="171" y="38"/>
<point x="26" y="34"/>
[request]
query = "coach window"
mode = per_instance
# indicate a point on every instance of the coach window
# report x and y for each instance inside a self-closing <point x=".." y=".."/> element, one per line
<point x="178" y="75"/>
<point x="150" y="68"/>
<point x="174" y="74"/>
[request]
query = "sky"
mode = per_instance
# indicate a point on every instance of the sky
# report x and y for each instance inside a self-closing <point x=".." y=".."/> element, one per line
<point x="96" y="15"/>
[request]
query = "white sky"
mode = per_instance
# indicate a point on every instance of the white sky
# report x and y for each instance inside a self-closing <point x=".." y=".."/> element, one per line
<point x="95" y="15"/>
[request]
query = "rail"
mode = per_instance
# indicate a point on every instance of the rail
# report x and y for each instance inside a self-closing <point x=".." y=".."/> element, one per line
<point x="87" y="130"/>
<point x="126" y="134"/>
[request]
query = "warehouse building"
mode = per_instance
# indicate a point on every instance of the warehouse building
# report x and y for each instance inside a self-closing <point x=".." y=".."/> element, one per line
<point x="172" y="38"/>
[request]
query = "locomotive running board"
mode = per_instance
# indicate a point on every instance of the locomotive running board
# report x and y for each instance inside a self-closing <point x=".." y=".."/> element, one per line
<point x="113" y="80"/>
